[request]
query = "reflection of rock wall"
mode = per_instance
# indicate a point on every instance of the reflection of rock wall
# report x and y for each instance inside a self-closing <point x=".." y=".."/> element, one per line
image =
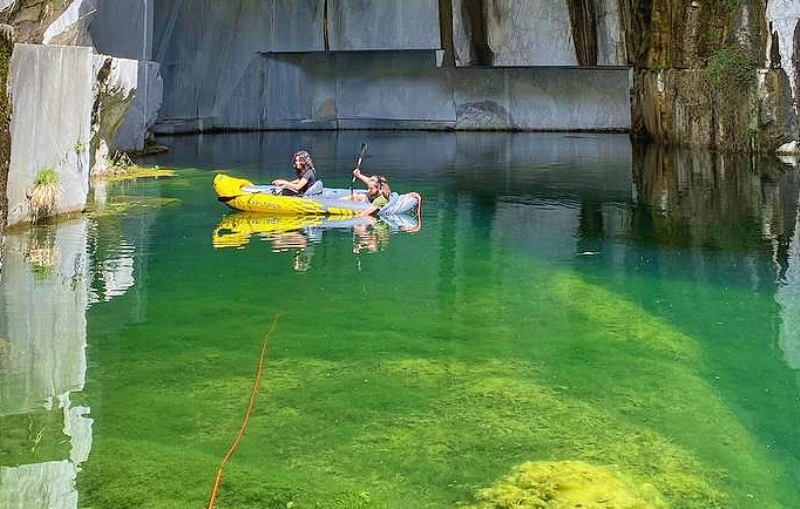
<point x="699" y="197"/>
<point x="30" y="18"/>
<point x="713" y="200"/>
<point x="50" y="484"/>
<point x="43" y="300"/>
<point x="788" y="296"/>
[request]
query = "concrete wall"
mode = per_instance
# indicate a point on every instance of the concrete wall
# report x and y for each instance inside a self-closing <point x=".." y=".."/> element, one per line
<point x="51" y="90"/>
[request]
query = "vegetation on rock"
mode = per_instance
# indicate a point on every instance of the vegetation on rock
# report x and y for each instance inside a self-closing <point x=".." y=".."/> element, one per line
<point x="122" y="167"/>
<point x="44" y="194"/>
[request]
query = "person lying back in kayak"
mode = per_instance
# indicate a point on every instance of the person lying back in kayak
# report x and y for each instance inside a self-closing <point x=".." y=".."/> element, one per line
<point x="378" y="192"/>
<point x="304" y="172"/>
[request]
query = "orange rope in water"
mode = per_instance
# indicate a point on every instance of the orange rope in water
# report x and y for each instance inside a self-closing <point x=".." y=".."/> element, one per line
<point x="253" y="394"/>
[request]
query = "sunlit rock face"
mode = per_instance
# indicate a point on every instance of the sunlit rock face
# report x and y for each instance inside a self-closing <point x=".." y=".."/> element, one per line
<point x="30" y="18"/>
<point x="698" y="80"/>
<point x="783" y="17"/>
<point x="128" y="98"/>
<point x="71" y="27"/>
<point x="512" y="32"/>
<point x="51" y="90"/>
<point x="537" y="33"/>
<point x="57" y="92"/>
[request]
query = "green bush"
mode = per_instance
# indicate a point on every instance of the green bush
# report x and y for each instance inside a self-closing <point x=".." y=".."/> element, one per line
<point x="732" y="66"/>
<point x="45" y="176"/>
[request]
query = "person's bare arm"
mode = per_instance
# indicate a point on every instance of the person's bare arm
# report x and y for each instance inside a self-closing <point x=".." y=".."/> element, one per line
<point x="294" y="185"/>
<point x="360" y="176"/>
<point x="369" y="212"/>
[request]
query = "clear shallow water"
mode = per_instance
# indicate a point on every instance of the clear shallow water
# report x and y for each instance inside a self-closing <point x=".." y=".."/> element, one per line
<point x="566" y="298"/>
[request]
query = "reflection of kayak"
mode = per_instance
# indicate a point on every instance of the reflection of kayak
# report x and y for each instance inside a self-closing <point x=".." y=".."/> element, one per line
<point x="236" y="229"/>
<point x="241" y="194"/>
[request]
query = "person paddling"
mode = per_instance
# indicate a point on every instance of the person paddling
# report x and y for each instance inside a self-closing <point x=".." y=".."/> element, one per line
<point x="305" y="175"/>
<point x="378" y="192"/>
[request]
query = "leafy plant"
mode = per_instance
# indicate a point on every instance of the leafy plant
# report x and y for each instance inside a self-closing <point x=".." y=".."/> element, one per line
<point x="45" y="176"/>
<point x="732" y="5"/>
<point x="44" y="194"/>
<point x="731" y="66"/>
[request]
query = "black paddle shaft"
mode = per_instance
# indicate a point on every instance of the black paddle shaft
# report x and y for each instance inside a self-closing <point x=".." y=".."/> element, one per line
<point x="360" y="157"/>
<point x="361" y="151"/>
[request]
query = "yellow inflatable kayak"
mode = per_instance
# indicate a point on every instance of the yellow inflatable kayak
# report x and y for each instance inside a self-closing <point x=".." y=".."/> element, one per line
<point x="241" y="194"/>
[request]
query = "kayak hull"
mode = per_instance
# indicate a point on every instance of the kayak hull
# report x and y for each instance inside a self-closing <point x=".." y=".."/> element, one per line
<point x="241" y="194"/>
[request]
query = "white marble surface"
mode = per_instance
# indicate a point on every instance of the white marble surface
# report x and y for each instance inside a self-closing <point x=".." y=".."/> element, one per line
<point x="72" y="26"/>
<point x="530" y="32"/>
<point x="51" y="95"/>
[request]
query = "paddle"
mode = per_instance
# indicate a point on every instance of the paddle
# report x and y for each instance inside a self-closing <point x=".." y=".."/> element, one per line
<point x="358" y="165"/>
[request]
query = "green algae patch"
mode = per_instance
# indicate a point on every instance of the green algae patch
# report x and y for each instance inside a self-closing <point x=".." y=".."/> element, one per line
<point x="135" y="172"/>
<point x="623" y="320"/>
<point x="411" y="419"/>
<point x="123" y="206"/>
<point x="566" y="484"/>
<point x="35" y="437"/>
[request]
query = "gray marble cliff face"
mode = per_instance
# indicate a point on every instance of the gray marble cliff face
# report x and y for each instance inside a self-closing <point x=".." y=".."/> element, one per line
<point x="353" y="63"/>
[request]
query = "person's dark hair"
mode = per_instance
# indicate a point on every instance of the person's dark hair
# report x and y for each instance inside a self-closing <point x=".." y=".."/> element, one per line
<point x="305" y="159"/>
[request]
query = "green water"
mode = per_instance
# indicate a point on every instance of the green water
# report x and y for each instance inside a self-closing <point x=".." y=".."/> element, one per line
<point x="566" y="298"/>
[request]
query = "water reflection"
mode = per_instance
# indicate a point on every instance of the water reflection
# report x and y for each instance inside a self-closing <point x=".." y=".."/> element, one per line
<point x="51" y="275"/>
<point x="299" y="234"/>
<point x="644" y="216"/>
<point x="719" y="205"/>
<point x="788" y="296"/>
<point x="43" y="302"/>
<point x="723" y="206"/>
